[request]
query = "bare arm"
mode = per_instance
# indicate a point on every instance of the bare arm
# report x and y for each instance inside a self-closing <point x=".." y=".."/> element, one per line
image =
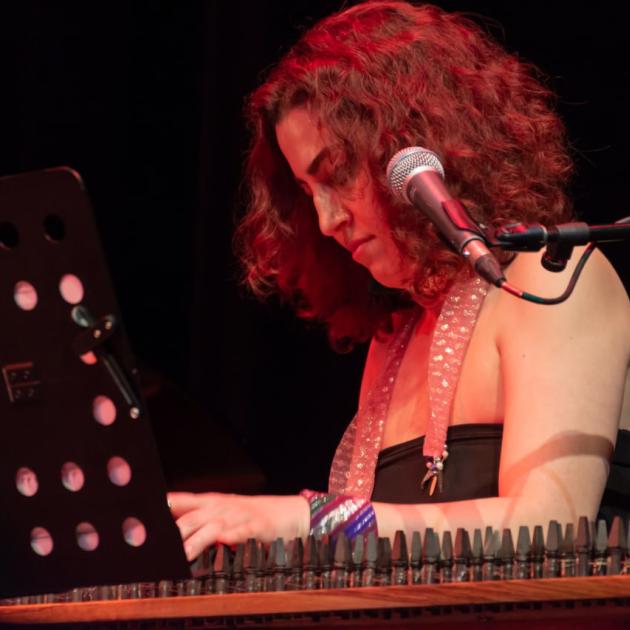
<point x="564" y="370"/>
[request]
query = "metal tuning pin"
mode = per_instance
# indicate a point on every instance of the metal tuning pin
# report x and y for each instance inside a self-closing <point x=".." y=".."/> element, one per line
<point x="269" y="564"/>
<point x="296" y="557"/>
<point x="583" y="547"/>
<point x="261" y="563"/>
<point x="446" y="563"/>
<point x="222" y="569"/>
<point x="567" y="553"/>
<point x="238" y="575"/>
<point x="430" y="557"/>
<point x="280" y="566"/>
<point x="195" y="585"/>
<point x="250" y="564"/>
<point x="489" y="546"/>
<point x="600" y="563"/>
<point x="325" y="562"/>
<point x="506" y="555"/>
<point x="523" y="554"/>
<point x="358" y="551"/>
<point x="309" y="564"/>
<point x="462" y="555"/>
<point x="384" y="562"/>
<point x="616" y="544"/>
<point x="415" y="560"/>
<point x="538" y="552"/>
<point x="400" y="559"/>
<point x="476" y="560"/>
<point x="369" y="561"/>
<point x="342" y="562"/>
<point x="552" y="546"/>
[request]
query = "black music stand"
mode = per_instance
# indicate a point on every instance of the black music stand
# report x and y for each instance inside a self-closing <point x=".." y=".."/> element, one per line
<point x="81" y="488"/>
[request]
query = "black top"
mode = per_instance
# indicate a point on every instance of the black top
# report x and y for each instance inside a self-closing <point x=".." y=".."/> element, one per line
<point x="472" y="470"/>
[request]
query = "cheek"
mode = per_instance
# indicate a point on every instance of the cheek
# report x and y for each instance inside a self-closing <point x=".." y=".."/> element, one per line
<point x="394" y="261"/>
<point x="389" y="246"/>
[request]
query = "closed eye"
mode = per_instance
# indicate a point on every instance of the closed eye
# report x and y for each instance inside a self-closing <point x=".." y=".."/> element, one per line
<point x="313" y="168"/>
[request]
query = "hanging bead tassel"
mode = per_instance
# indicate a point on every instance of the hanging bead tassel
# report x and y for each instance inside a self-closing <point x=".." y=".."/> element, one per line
<point x="435" y="468"/>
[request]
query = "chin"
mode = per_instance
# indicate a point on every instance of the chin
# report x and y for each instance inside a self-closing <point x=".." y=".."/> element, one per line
<point x="389" y="281"/>
<point x="393" y="278"/>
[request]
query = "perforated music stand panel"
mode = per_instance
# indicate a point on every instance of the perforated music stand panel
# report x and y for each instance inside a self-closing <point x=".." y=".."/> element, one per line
<point x="62" y="416"/>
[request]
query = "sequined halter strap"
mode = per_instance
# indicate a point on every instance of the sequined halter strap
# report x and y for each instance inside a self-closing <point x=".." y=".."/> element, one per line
<point x="451" y="335"/>
<point x="352" y="470"/>
<point x="353" y="466"/>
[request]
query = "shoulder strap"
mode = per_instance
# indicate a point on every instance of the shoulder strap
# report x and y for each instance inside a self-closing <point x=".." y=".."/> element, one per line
<point x="352" y="470"/>
<point x="451" y="335"/>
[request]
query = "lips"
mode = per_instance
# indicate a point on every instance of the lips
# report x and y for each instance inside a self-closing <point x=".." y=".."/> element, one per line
<point x="355" y="246"/>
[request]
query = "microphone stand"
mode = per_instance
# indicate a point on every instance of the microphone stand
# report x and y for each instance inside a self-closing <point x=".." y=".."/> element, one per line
<point x="559" y="241"/>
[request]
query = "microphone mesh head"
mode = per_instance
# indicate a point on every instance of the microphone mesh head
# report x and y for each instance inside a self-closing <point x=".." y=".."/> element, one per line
<point x="405" y="162"/>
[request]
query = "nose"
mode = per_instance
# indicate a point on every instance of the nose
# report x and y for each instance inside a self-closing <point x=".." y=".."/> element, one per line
<point x="330" y="211"/>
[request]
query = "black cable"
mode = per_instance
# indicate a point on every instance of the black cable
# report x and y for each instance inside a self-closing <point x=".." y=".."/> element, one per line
<point x="530" y="297"/>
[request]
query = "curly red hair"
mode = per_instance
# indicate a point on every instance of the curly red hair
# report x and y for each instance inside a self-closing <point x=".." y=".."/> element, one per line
<point x="382" y="76"/>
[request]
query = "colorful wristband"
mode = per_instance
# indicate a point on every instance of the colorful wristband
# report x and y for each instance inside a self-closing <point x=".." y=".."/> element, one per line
<point x="335" y="513"/>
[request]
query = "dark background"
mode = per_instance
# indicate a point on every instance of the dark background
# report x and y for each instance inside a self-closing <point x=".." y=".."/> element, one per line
<point x="144" y="99"/>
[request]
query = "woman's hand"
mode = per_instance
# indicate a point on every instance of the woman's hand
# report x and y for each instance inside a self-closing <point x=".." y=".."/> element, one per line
<point x="204" y="519"/>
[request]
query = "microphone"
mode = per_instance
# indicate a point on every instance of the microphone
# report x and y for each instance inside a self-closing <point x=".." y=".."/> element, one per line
<point x="415" y="175"/>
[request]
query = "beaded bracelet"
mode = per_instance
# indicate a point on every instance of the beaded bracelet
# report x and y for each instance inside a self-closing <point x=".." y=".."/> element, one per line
<point x="335" y="513"/>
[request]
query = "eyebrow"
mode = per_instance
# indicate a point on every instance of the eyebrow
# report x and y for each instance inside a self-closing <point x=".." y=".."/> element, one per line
<point x="313" y="167"/>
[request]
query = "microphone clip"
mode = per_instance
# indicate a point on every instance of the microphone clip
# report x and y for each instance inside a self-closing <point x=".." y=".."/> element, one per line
<point x="518" y="237"/>
<point x="558" y="240"/>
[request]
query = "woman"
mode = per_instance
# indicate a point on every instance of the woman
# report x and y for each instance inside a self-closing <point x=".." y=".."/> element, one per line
<point x="527" y="397"/>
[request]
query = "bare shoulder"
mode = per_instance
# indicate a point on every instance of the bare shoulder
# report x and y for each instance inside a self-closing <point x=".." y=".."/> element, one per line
<point x="599" y="302"/>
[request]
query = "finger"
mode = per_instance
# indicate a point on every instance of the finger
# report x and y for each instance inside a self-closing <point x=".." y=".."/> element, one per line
<point x="235" y="535"/>
<point x="201" y="538"/>
<point x="182" y="502"/>
<point x="190" y="522"/>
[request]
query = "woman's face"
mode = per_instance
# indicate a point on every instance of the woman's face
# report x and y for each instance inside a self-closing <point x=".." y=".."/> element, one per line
<point x="350" y="213"/>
